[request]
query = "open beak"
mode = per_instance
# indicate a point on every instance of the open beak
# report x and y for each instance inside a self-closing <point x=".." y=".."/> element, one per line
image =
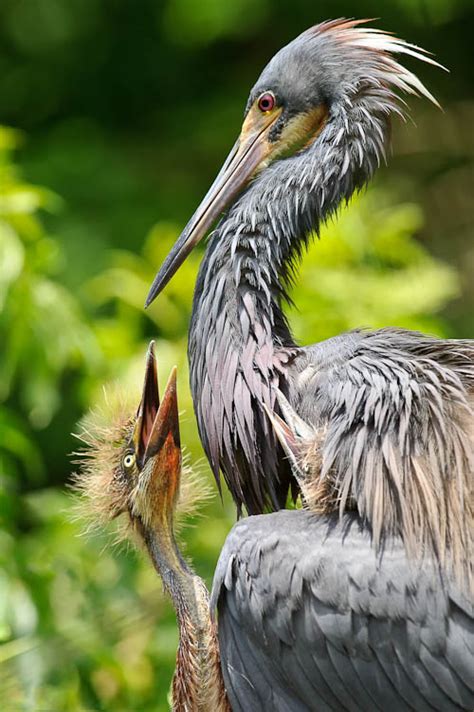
<point x="157" y="423"/>
<point x="248" y="154"/>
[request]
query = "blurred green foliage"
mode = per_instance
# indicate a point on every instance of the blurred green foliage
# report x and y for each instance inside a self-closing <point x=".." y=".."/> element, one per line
<point x="124" y="111"/>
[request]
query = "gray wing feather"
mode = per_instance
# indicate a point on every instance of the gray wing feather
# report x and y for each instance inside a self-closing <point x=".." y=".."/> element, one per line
<point x="392" y="412"/>
<point x="310" y="618"/>
<point x="252" y="683"/>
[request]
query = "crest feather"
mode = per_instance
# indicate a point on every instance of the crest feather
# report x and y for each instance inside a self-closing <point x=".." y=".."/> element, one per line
<point x="382" y="46"/>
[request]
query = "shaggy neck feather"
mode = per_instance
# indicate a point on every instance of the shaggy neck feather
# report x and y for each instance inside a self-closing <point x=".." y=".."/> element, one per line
<point x="256" y="247"/>
<point x="239" y="340"/>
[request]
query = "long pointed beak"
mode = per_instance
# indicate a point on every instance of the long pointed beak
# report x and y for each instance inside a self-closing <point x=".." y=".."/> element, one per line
<point x="149" y="406"/>
<point x="155" y="421"/>
<point x="164" y="452"/>
<point x="158" y="451"/>
<point x="247" y="155"/>
<point x="166" y="424"/>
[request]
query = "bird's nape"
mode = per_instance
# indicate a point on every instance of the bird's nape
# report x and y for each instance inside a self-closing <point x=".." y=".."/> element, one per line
<point x="305" y="86"/>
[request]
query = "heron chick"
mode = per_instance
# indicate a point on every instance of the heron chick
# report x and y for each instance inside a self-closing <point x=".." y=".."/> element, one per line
<point x="134" y="468"/>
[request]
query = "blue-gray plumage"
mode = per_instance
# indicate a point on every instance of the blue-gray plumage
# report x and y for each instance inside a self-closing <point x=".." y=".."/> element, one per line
<point x="391" y="410"/>
<point x="311" y="618"/>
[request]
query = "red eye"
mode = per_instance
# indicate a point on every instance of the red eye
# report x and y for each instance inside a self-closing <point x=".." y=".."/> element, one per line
<point x="266" y="101"/>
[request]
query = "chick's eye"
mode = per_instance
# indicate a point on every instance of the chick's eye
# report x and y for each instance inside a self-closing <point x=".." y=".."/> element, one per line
<point x="128" y="460"/>
<point x="266" y="101"/>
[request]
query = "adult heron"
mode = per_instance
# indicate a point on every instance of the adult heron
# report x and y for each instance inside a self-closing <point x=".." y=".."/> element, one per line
<point x="388" y="407"/>
<point x="310" y="616"/>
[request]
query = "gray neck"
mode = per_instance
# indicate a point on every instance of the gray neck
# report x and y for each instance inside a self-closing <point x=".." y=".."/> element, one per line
<point x="256" y="247"/>
<point x="178" y="578"/>
<point x="239" y="341"/>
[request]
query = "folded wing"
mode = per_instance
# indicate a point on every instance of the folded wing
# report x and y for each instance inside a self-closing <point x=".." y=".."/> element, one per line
<point x="310" y="618"/>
